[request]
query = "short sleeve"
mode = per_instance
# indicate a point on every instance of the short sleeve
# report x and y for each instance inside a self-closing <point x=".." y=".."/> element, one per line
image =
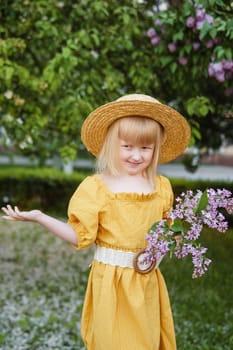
<point x="83" y="212"/>
<point x="168" y="196"/>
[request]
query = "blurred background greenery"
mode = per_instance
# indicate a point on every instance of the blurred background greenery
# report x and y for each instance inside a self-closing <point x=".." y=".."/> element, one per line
<point x="61" y="59"/>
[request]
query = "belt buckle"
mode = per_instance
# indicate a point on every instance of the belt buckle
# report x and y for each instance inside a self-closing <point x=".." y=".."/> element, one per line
<point x="140" y="265"/>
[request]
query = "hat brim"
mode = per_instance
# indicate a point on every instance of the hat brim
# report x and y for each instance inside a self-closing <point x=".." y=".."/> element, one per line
<point x="177" y="130"/>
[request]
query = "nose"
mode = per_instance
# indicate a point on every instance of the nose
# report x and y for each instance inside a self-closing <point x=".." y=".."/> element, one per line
<point x="136" y="155"/>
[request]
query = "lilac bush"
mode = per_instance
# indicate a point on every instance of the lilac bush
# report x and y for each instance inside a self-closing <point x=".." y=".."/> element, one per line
<point x="193" y="28"/>
<point x="192" y="62"/>
<point x="191" y="213"/>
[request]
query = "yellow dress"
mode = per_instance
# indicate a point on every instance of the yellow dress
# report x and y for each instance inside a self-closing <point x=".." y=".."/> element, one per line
<point x="123" y="310"/>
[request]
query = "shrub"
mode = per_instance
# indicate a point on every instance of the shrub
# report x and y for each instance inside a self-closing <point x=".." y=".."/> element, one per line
<point x="50" y="189"/>
<point x="46" y="188"/>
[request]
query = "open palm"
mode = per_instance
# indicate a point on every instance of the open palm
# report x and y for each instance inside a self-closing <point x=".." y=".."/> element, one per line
<point x="15" y="214"/>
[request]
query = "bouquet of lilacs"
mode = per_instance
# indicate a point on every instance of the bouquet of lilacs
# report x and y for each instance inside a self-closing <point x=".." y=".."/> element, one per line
<point x="191" y="213"/>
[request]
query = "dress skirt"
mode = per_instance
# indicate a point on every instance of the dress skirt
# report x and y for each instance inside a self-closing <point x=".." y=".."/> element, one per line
<point x="125" y="310"/>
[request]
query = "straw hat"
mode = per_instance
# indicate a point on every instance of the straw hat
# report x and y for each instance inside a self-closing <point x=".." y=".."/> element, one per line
<point x="177" y="130"/>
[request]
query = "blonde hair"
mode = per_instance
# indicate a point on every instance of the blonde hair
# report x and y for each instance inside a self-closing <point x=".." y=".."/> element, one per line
<point x="137" y="130"/>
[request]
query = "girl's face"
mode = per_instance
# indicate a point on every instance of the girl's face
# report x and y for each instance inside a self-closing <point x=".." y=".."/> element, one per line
<point x="134" y="159"/>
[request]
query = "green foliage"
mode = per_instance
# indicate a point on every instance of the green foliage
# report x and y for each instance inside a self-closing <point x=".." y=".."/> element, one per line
<point x="45" y="188"/>
<point x="191" y="42"/>
<point x="199" y="106"/>
<point x="60" y="60"/>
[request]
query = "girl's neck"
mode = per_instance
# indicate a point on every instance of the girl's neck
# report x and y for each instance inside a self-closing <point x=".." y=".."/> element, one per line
<point x="128" y="183"/>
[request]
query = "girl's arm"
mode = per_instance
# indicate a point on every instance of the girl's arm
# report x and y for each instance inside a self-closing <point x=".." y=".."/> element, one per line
<point x="55" y="226"/>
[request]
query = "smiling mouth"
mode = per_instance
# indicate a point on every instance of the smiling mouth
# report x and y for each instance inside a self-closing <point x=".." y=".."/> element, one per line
<point x="133" y="163"/>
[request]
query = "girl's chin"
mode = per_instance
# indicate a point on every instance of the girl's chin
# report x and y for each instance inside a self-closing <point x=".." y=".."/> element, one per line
<point x="131" y="169"/>
<point x="133" y="172"/>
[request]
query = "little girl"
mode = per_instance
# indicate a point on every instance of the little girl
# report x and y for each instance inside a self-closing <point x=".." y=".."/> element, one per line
<point x="123" y="309"/>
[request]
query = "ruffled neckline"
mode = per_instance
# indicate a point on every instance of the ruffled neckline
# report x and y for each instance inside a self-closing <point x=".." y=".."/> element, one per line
<point x="128" y="195"/>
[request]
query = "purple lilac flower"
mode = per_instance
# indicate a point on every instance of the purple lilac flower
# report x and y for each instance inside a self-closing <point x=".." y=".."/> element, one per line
<point x="227" y="65"/>
<point x="220" y="76"/>
<point x="155" y="40"/>
<point x="157" y="22"/>
<point x="172" y="47"/>
<point x="209" y="44"/>
<point x="209" y="19"/>
<point x="200" y="13"/>
<point x="181" y="252"/>
<point x="190" y="22"/>
<point x="200" y="264"/>
<point x="216" y="70"/>
<point x="194" y="232"/>
<point x="183" y="60"/>
<point x="201" y="17"/>
<point x="199" y="24"/>
<point x="151" y="33"/>
<point x="162" y="247"/>
<point x="191" y="213"/>
<point x="196" y="46"/>
<point x="211" y="70"/>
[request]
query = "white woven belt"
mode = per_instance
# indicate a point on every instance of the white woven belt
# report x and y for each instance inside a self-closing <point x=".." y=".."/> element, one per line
<point x="116" y="257"/>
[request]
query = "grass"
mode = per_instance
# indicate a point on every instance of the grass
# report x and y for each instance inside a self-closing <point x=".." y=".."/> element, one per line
<point x="203" y="307"/>
<point x="43" y="283"/>
<point x="44" y="279"/>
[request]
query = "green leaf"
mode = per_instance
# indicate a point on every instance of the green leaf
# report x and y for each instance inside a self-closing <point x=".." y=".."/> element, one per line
<point x="205" y="29"/>
<point x="196" y="133"/>
<point x="165" y="60"/>
<point x="213" y="33"/>
<point x="178" y="226"/>
<point x="173" y="67"/>
<point x="199" y="106"/>
<point x="202" y="204"/>
<point x="9" y="71"/>
<point x="229" y="54"/>
<point x="188" y="48"/>
<point x="66" y="52"/>
<point x="178" y="36"/>
<point x="203" y="110"/>
<point x="219" y="53"/>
